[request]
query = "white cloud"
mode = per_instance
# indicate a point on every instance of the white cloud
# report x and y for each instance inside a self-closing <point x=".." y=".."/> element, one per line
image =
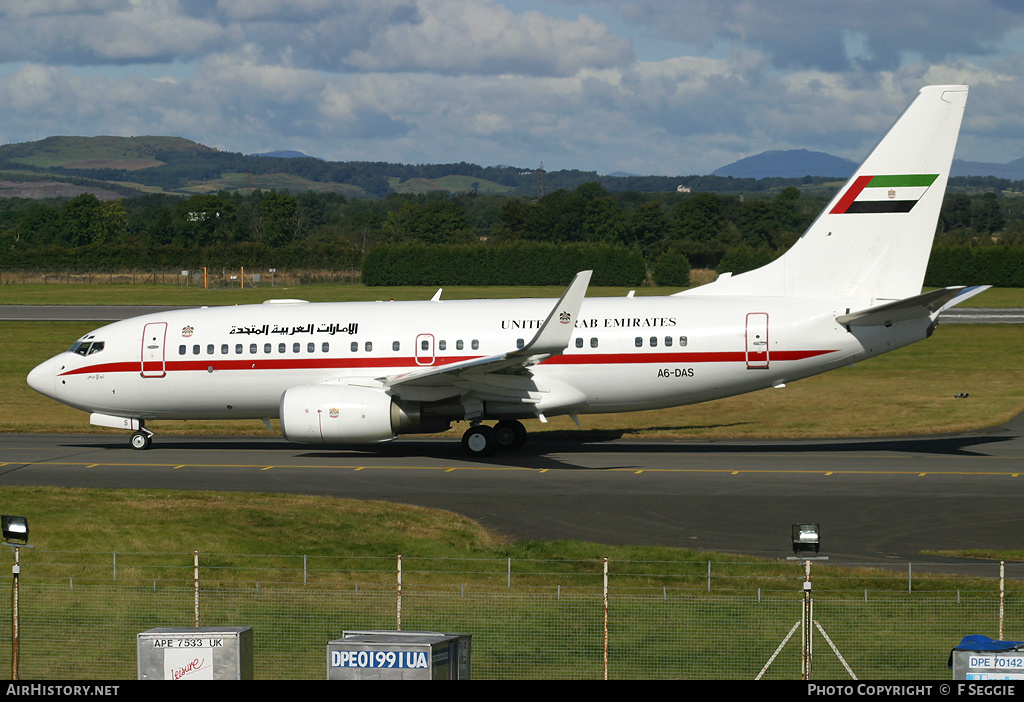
<point x="456" y="37"/>
<point x="805" y="34"/>
<point x="31" y="88"/>
<point x="509" y="81"/>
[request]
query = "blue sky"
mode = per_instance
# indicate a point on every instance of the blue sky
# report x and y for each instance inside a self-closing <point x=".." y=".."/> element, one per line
<point x="664" y="87"/>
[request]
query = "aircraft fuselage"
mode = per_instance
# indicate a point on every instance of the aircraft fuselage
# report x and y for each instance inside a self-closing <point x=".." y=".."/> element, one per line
<point x="625" y="353"/>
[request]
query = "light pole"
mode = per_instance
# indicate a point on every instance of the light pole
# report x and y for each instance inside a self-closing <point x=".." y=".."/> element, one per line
<point x="807" y="537"/>
<point x="15" y="529"/>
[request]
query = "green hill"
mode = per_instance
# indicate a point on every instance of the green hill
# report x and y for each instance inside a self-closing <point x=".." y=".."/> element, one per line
<point x="122" y="153"/>
<point x="159" y="164"/>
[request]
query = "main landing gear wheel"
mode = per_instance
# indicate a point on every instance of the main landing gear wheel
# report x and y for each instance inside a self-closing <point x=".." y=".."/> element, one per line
<point x="479" y="441"/>
<point x="510" y="434"/>
<point x="141" y="440"/>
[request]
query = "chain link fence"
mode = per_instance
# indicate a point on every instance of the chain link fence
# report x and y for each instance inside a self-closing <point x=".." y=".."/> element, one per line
<point x="186" y="276"/>
<point x="80" y="614"/>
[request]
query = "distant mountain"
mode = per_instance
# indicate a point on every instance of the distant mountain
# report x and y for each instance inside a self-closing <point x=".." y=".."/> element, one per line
<point x="795" y="163"/>
<point x="1014" y="170"/>
<point x="798" y="163"/>
<point x="122" y="166"/>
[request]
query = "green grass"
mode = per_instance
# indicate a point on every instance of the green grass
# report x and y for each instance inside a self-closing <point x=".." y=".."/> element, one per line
<point x="270" y="181"/>
<point x="663" y="620"/>
<point x="149" y="294"/>
<point x="451" y="183"/>
<point x="240" y="538"/>
<point x="1011" y="555"/>
<point x="157" y="294"/>
<point x="70" y="150"/>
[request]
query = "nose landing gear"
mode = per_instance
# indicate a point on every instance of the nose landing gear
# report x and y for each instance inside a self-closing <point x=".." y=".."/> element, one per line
<point x="142" y="439"/>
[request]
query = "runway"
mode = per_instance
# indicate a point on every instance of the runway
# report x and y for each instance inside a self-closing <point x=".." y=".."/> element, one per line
<point x="877" y="500"/>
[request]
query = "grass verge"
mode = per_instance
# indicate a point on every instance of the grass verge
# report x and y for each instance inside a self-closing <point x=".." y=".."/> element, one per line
<point x="149" y="294"/>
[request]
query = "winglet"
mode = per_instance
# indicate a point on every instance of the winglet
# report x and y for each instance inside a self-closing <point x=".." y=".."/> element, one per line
<point x="556" y="331"/>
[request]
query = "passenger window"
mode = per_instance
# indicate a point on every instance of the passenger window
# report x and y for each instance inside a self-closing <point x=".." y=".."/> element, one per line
<point x="267" y="348"/>
<point x="181" y="350"/>
<point x="354" y="347"/>
<point x="458" y="345"/>
<point x="668" y="341"/>
<point x="579" y="342"/>
<point x="654" y="341"/>
<point x="682" y="341"/>
<point x="593" y="342"/>
<point x="209" y="349"/>
<point x="442" y="345"/>
<point x="195" y="349"/>
<point x="520" y="343"/>
<point x="252" y="349"/>
<point x="424" y="345"/>
<point x="223" y="348"/>
<point x="296" y="347"/>
<point x="395" y="346"/>
<point x="369" y="346"/>
<point x="238" y="348"/>
<point x="325" y="347"/>
<point x="282" y="347"/>
<point x="476" y="344"/>
<point x="638" y="342"/>
<point x="310" y="347"/>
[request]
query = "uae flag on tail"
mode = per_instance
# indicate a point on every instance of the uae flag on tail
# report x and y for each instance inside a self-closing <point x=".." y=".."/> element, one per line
<point x="884" y="193"/>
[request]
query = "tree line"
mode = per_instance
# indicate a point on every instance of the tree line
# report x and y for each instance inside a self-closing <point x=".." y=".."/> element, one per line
<point x="656" y="236"/>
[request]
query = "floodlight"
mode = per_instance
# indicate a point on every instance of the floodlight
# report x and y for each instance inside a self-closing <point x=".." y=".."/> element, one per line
<point x="806" y="537"/>
<point x="14" y="528"/>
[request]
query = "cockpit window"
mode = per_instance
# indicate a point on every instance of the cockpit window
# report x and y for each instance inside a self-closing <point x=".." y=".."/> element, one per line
<point x="86" y="348"/>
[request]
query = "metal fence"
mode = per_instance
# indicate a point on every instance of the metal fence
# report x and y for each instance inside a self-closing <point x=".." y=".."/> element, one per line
<point x="80" y="614"/>
<point x="187" y="276"/>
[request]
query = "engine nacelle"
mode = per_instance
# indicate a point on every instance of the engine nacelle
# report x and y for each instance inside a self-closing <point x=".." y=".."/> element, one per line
<point x="331" y="413"/>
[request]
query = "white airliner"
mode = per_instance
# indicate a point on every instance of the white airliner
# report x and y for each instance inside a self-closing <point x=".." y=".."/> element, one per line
<point x="364" y="372"/>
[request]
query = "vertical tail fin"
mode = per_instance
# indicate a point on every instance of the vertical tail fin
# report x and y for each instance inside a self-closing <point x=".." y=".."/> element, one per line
<point x="873" y="240"/>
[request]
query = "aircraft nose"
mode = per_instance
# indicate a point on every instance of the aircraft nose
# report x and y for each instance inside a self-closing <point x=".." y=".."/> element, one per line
<point x="42" y="378"/>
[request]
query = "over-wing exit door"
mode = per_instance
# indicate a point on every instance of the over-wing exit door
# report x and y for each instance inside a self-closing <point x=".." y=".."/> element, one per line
<point x="425" y="350"/>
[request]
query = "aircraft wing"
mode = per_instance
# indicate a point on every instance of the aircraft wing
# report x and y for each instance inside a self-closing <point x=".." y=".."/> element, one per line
<point x="550" y="340"/>
<point x="928" y="304"/>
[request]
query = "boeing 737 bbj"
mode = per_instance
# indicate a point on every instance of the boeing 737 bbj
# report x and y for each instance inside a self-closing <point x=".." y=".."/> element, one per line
<point x="364" y="372"/>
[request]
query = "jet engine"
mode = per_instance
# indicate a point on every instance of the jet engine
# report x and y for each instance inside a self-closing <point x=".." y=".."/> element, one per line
<point x="337" y="413"/>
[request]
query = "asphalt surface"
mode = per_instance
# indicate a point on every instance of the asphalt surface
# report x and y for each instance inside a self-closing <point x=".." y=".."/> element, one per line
<point x="879" y="501"/>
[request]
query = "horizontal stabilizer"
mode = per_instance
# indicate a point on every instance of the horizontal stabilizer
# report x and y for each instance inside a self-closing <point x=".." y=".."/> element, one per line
<point x="927" y="304"/>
